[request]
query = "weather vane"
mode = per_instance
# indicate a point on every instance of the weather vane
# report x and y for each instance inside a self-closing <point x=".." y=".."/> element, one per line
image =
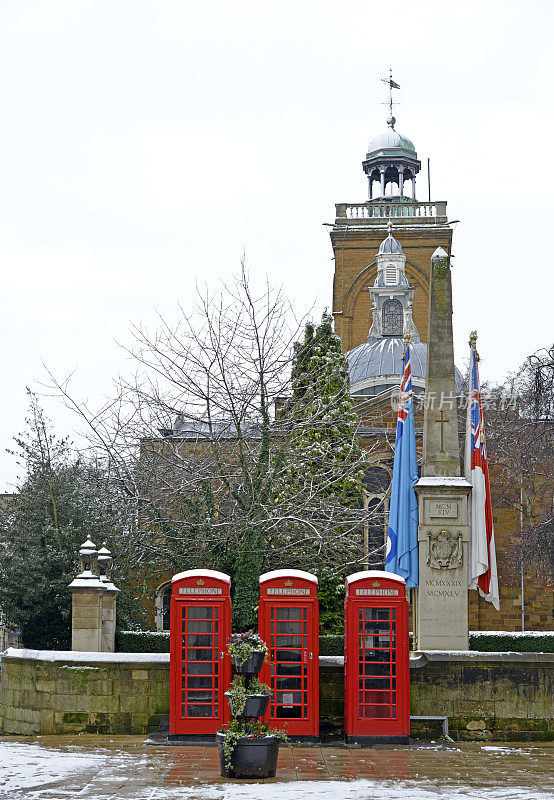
<point x="392" y="85"/>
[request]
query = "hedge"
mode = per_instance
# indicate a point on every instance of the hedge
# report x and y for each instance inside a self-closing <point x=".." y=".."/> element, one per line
<point x="142" y="641"/>
<point x="333" y="645"/>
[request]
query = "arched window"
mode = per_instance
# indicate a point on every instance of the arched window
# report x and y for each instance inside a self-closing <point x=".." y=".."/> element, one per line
<point x="376" y="480"/>
<point x="163" y="600"/>
<point x="393" y="318"/>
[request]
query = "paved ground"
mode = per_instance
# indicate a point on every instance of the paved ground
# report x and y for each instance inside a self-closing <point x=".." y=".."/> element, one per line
<point x="125" y="768"/>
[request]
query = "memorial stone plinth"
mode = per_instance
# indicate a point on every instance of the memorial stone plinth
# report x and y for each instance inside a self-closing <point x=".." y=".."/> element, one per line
<point x="441" y="602"/>
<point x="441" y="613"/>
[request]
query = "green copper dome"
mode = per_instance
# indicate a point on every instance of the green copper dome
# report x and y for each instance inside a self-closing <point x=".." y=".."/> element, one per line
<point x="391" y="140"/>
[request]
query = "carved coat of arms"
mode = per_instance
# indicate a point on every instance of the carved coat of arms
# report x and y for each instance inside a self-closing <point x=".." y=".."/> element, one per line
<point x="445" y="550"/>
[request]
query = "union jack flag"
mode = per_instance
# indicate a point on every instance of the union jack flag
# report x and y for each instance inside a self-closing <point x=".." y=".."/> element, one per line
<point x="482" y="554"/>
<point x="402" y="553"/>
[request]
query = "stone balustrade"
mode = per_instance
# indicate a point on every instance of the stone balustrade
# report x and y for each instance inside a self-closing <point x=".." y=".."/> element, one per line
<point x="401" y="211"/>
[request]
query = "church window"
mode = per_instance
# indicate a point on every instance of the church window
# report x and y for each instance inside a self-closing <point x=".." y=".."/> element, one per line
<point x="376" y="480"/>
<point x="393" y="318"/>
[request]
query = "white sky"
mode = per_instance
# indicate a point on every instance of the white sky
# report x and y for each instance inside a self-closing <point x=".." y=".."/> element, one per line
<point x="144" y="145"/>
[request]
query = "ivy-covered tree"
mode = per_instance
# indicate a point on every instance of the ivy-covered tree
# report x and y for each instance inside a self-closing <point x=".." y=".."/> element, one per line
<point x="61" y="500"/>
<point x="324" y="446"/>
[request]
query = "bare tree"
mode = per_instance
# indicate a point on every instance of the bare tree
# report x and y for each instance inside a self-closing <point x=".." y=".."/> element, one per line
<point x="520" y="440"/>
<point x="197" y="441"/>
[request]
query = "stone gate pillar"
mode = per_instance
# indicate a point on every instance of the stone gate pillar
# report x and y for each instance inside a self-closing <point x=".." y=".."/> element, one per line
<point x="93" y="601"/>
<point x="109" y="600"/>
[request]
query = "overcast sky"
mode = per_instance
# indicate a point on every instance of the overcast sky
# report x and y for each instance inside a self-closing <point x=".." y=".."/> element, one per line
<point x="144" y="145"/>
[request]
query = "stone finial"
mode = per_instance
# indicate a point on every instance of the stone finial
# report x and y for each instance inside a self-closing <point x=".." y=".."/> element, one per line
<point x="88" y="558"/>
<point x="105" y="561"/>
<point x="473" y="340"/>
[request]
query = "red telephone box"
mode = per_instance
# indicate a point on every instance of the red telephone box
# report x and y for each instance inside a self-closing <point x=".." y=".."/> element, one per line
<point x="376" y="658"/>
<point x="200" y="668"/>
<point x="288" y="620"/>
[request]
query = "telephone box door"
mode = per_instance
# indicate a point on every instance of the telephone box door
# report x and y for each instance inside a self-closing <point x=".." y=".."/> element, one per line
<point x="377" y="672"/>
<point x="289" y="624"/>
<point x="200" y="668"/>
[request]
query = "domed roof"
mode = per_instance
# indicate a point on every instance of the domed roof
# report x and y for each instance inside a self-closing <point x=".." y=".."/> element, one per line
<point x="379" y="363"/>
<point x="390" y="245"/>
<point x="383" y="358"/>
<point x="391" y="140"/>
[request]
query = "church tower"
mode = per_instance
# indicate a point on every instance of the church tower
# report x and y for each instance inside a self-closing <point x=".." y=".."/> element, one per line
<point x="391" y="166"/>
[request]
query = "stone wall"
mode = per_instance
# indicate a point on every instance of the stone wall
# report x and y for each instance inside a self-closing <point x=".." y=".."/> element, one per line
<point x="71" y="692"/>
<point x="500" y="696"/>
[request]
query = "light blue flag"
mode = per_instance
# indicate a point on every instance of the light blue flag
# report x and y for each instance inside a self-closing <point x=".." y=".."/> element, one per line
<point x="402" y="555"/>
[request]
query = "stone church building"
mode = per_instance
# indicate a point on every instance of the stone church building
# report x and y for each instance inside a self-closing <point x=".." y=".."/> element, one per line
<point x="382" y="252"/>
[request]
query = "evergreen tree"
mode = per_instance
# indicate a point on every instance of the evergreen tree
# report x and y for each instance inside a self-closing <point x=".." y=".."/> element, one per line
<point x="324" y="445"/>
<point x="62" y="500"/>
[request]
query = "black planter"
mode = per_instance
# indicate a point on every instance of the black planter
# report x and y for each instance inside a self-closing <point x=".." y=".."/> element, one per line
<point x="255" y="706"/>
<point x="252" y="665"/>
<point x="252" y="758"/>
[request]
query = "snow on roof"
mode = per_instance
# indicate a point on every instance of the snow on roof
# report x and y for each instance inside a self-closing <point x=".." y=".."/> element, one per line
<point x="374" y="573"/>
<point x="202" y="573"/>
<point x="288" y="573"/>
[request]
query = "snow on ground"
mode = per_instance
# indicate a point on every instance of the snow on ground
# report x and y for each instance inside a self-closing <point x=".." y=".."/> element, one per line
<point x="29" y="766"/>
<point x="29" y="771"/>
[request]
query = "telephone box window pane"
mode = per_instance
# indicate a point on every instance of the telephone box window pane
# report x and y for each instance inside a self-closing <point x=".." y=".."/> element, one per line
<point x="375" y="683"/>
<point x="288" y="698"/>
<point x="201" y="612"/>
<point x="199" y="668"/>
<point x="196" y="696"/>
<point x="199" y="711"/>
<point x="197" y="654"/>
<point x="289" y="683"/>
<point x="376" y="697"/>
<point x="379" y="613"/>
<point x="288" y="613"/>
<point x="289" y="627"/>
<point x="199" y="641"/>
<point x="289" y="669"/>
<point x="200" y="627"/>
<point x="289" y="641"/>
<point x="199" y="682"/>
<point x="288" y="655"/>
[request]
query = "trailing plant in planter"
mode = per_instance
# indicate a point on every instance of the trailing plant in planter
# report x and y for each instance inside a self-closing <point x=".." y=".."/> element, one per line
<point x="240" y="697"/>
<point x="247" y="747"/>
<point x="238" y="729"/>
<point x="243" y="646"/>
